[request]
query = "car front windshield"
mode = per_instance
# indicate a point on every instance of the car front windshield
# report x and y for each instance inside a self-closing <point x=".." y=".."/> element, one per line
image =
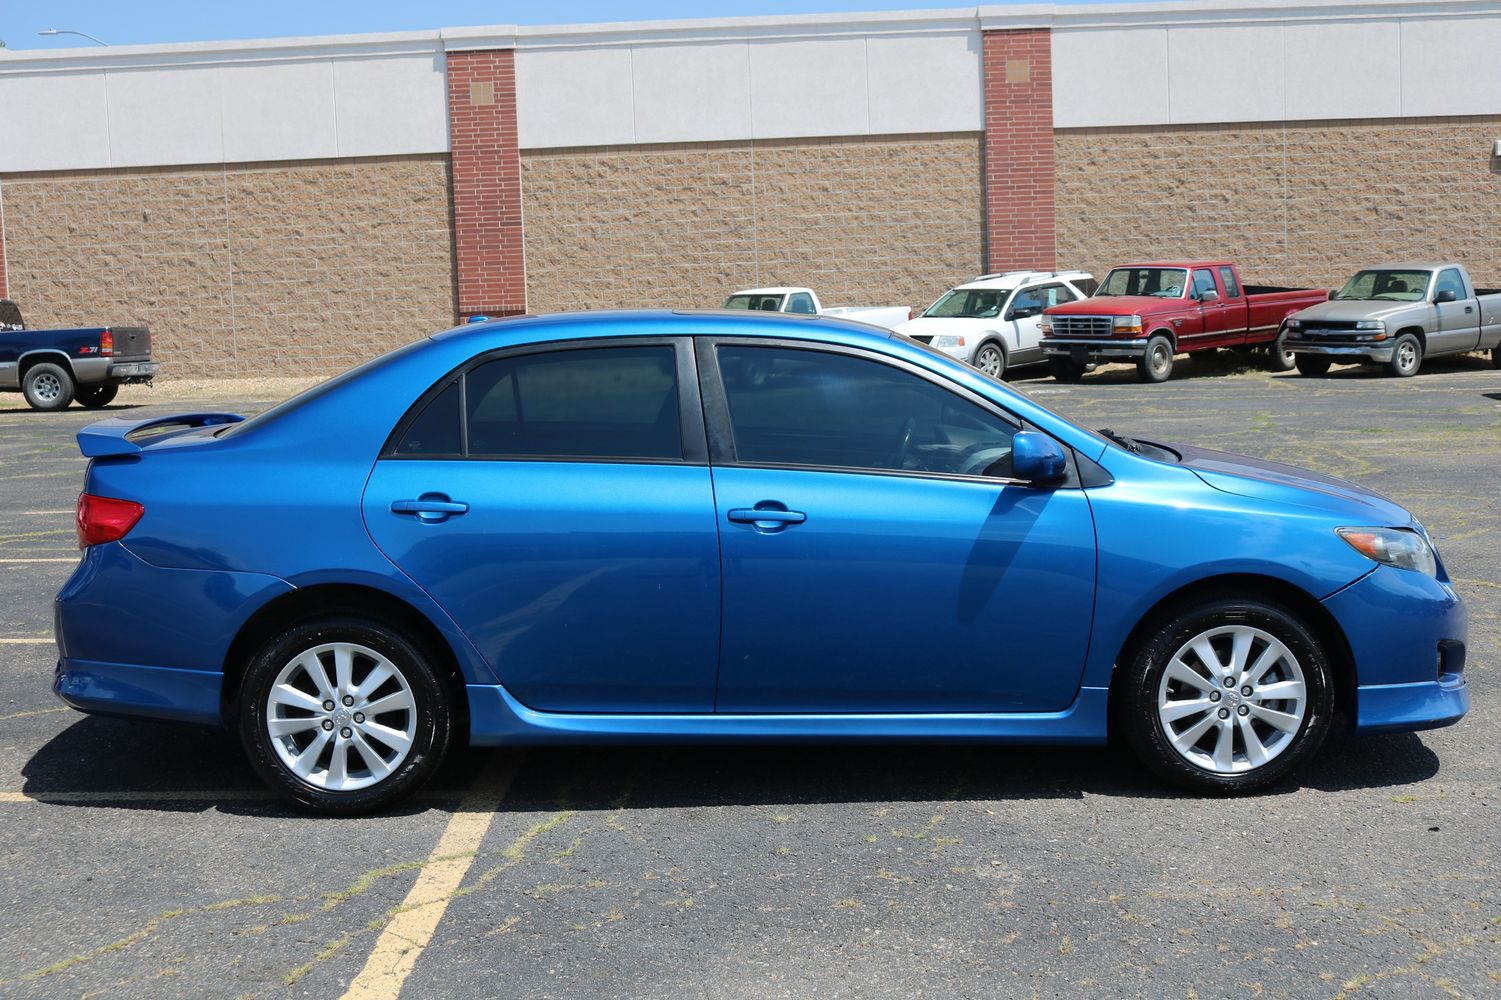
<point x="969" y="303"/>
<point x="1379" y="284"/>
<point x="764" y="303"/>
<point x="1159" y="282"/>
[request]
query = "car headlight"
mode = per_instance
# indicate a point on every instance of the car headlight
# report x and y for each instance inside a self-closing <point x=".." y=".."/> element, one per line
<point x="1131" y="324"/>
<point x="1046" y="323"/>
<point x="1294" y="324"/>
<point x="1370" y="324"/>
<point x="948" y="340"/>
<point x="1397" y="547"/>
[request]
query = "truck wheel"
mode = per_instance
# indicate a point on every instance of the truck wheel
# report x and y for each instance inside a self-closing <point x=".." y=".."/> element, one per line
<point x="1496" y="357"/>
<point x="1407" y="357"/>
<point x="1157" y="364"/>
<point x="991" y="359"/>
<point x="48" y="387"/>
<point x="95" y="397"/>
<point x="1312" y="365"/>
<point x="1283" y="360"/>
<point x="1065" y="370"/>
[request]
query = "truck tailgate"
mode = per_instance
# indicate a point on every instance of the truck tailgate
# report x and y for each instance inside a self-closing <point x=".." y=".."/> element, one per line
<point x="131" y="342"/>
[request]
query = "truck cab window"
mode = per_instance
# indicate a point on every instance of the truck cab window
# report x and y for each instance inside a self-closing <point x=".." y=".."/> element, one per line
<point x="1203" y="282"/>
<point x="801" y="303"/>
<point x="1449" y="280"/>
<point x="1232" y="287"/>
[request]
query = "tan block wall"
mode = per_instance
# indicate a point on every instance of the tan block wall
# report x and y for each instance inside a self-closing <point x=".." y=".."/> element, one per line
<point x="1298" y="203"/>
<point x="278" y="269"/>
<point x="890" y="221"/>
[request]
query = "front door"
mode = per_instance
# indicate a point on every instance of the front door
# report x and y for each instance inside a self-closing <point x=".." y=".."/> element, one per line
<point x="1458" y="322"/>
<point x="876" y="556"/>
<point x="558" y="505"/>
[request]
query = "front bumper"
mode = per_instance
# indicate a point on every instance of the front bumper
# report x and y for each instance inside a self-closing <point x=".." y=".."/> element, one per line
<point x="1375" y="352"/>
<point x="1086" y="350"/>
<point x="1407" y="633"/>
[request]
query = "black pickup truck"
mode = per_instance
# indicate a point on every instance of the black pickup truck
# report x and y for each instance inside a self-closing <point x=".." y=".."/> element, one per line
<point x="54" y="367"/>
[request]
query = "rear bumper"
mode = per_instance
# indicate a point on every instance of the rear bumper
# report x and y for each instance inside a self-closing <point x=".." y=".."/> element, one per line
<point x="1088" y="350"/>
<point x="138" y="692"/>
<point x="1368" y="352"/>
<point x="132" y="371"/>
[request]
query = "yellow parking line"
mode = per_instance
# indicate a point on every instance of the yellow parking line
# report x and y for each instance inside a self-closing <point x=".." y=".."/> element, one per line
<point x="67" y="559"/>
<point x="414" y="921"/>
<point x="74" y="798"/>
<point x="49" y="512"/>
<point x="29" y="641"/>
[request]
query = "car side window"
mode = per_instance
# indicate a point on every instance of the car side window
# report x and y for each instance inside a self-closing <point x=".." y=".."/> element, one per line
<point x="1028" y="302"/>
<point x="1056" y="295"/>
<point x="1449" y="280"/>
<point x="803" y="407"/>
<point x="602" y="403"/>
<point x="1203" y="282"/>
<point x="802" y="304"/>
<point x="1232" y="287"/>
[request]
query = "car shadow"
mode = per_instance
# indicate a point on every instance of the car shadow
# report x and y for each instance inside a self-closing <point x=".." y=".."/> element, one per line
<point x="110" y="763"/>
<point x="110" y="408"/>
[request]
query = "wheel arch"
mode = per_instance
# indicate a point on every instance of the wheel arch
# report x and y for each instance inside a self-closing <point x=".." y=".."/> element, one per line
<point x="331" y="599"/>
<point x="1242" y="585"/>
<point x="1172" y="338"/>
<point x="1416" y="331"/>
<point x="45" y="355"/>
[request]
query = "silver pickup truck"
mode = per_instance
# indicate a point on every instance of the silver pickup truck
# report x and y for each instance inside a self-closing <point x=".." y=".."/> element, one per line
<point x="1396" y="315"/>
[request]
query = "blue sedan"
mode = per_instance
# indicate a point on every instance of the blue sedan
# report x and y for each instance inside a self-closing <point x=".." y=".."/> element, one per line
<point x="653" y="527"/>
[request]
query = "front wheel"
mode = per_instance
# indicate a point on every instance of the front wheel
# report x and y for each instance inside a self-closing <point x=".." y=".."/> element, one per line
<point x="1312" y="365"/>
<point x="1407" y="357"/>
<point x="95" y="397"/>
<point x="1227" y="696"/>
<point x="48" y="387"/>
<point x="991" y="359"/>
<point x="1157" y="364"/>
<point x="1282" y="359"/>
<point x="344" y="715"/>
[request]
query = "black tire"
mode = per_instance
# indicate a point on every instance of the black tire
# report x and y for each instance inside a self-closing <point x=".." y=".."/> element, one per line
<point x="95" y="397"/>
<point x="991" y="359"/>
<point x="48" y="387"/>
<point x="1496" y="357"/>
<point x="1065" y="369"/>
<point x="431" y="719"/>
<point x="1156" y="365"/>
<point x="1281" y="359"/>
<point x="1407" y="357"/>
<point x="1313" y="365"/>
<point x="1144" y="683"/>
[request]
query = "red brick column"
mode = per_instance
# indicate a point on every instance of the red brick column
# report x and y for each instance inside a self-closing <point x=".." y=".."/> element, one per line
<point x="486" y="183"/>
<point x="1020" y="230"/>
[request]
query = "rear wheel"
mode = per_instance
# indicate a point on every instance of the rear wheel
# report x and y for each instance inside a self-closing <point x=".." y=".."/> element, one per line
<point x="47" y="387"/>
<point x="344" y="715"/>
<point x="991" y="359"/>
<point x="1157" y="364"/>
<point x="97" y="396"/>
<point x="1496" y="357"/>
<point x="1407" y="357"/>
<point x="1312" y="365"/>
<point x="1228" y="696"/>
<point x="1283" y="360"/>
<point x="1065" y="370"/>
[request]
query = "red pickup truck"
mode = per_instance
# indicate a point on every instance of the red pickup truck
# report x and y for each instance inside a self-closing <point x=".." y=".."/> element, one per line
<point x="1151" y="312"/>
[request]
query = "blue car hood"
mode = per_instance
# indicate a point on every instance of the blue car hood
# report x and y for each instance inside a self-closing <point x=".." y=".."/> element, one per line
<point x="1252" y="477"/>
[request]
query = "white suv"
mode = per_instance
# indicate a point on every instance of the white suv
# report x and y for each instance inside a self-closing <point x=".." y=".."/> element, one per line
<point x="994" y="322"/>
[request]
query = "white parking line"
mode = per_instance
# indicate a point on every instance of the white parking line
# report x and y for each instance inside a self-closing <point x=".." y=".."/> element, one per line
<point x="50" y="559"/>
<point x="27" y="641"/>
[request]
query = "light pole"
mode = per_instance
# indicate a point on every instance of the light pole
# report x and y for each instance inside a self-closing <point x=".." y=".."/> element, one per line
<point x="68" y="31"/>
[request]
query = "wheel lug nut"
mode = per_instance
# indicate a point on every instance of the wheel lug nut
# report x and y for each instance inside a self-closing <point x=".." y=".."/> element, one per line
<point x="1246" y="691"/>
<point x="1224" y="713"/>
<point x="328" y="724"/>
<point x="359" y="717"/>
<point x="1229" y="682"/>
<point x="328" y="706"/>
<point x="346" y="732"/>
<point x="348" y="700"/>
<point x="1214" y="696"/>
<point x="1243" y="710"/>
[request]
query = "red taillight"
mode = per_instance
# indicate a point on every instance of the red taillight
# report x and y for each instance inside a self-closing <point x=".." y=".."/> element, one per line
<point x="106" y="343"/>
<point x="105" y="519"/>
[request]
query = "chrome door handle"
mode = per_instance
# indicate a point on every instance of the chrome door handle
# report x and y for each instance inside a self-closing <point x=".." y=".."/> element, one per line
<point x="751" y="515"/>
<point x="430" y="507"/>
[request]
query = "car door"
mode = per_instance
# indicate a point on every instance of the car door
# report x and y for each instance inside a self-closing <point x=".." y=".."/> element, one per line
<point x="1213" y="311"/>
<point x="557" y="503"/>
<point x="876" y="557"/>
<point x="1024" y="317"/>
<point x="1457" y="326"/>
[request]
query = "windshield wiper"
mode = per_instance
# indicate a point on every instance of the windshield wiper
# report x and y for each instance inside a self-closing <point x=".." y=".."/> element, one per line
<point x="1121" y="440"/>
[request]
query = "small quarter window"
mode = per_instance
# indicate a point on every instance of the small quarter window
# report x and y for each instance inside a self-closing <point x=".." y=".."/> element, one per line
<point x="1232" y="287"/>
<point x="436" y="429"/>
<point x="802" y="304"/>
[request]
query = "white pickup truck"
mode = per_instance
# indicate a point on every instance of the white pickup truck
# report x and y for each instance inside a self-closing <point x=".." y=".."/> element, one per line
<point x="802" y="301"/>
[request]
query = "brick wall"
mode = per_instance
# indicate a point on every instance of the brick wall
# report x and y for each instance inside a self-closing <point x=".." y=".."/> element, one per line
<point x="281" y="269"/>
<point x="891" y="221"/>
<point x="486" y="183"/>
<point x="1304" y="203"/>
<point x="4" y="287"/>
<point x="1019" y="150"/>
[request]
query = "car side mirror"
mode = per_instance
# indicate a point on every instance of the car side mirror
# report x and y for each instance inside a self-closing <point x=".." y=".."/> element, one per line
<point x="1037" y="458"/>
<point x="1026" y="312"/>
<point x="1333" y="294"/>
<point x="1209" y="295"/>
<point x="1445" y="295"/>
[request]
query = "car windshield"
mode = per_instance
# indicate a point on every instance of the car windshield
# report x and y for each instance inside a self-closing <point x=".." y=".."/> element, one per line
<point x="970" y="303"/>
<point x="765" y="303"/>
<point x="1160" y="282"/>
<point x="1386" y="285"/>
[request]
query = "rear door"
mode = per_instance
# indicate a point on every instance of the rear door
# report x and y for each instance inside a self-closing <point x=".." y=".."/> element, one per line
<point x="556" y="501"/>
<point x="1457" y="326"/>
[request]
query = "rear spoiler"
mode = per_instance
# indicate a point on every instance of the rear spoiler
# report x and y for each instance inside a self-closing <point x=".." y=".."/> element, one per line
<point x="119" y="436"/>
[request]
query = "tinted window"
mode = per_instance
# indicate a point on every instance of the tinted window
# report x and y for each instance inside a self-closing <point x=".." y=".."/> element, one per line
<point x="1027" y="302"/>
<point x="1203" y="282"/>
<point x="764" y="303"/>
<point x="436" y="429"/>
<point x="801" y="407"/>
<point x="1232" y="287"/>
<point x="612" y="402"/>
<point x="1448" y="279"/>
<point x="802" y="302"/>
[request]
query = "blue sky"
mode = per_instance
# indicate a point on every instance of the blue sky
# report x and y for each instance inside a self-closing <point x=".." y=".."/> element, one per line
<point x="120" y="22"/>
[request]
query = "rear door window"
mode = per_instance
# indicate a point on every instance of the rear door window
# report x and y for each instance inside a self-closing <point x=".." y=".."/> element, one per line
<point x="1232" y="287"/>
<point x="801" y="303"/>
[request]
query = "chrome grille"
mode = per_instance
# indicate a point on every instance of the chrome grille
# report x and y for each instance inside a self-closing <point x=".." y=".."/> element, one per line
<point x="1081" y="326"/>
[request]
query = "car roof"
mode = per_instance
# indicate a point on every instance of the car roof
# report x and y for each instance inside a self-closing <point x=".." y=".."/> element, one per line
<point x="1176" y="263"/>
<point x="1016" y="279"/>
<point x="1411" y="265"/>
<point x="773" y="290"/>
<point x="672" y="323"/>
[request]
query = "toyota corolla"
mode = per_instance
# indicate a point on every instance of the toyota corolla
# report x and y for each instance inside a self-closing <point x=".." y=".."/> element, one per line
<point x="658" y="527"/>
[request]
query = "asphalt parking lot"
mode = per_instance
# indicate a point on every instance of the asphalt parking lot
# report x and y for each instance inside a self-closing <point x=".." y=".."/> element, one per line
<point x="146" y="860"/>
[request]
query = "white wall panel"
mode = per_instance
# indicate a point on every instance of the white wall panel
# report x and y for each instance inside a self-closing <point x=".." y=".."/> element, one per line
<point x="1451" y="67"/>
<point x="1226" y="73"/>
<point x="279" y="111"/>
<point x="1342" y="70"/>
<point x="925" y="83"/>
<point x="387" y="105"/>
<point x="574" y="97"/>
<point x="1110" y="76"/>
<point x="53" y="121"/>
<point x="165" y="116"/>
<point x="809" y="87"/>
<point x="694" y="92"/>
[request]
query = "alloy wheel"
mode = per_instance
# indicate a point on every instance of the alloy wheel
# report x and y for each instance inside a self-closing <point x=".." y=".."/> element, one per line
<point x="46" y="387"/>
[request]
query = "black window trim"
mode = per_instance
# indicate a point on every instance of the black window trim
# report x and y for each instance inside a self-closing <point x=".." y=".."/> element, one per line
<point x="716" y="413"/>
<point x="691" y="423"/>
